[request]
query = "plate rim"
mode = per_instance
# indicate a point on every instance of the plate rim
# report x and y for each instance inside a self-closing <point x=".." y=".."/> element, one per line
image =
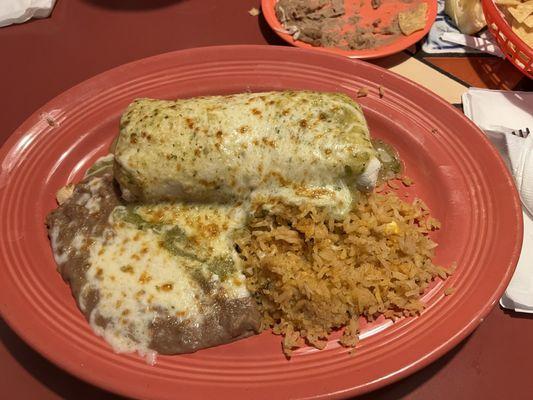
<point x="430" y="357"/>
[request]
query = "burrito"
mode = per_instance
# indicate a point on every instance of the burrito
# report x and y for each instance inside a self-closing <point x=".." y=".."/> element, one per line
<point x="292" y="144"/>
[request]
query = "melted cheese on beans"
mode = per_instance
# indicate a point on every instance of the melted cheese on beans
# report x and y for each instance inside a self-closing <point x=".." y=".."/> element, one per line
<point x="140" y="266"/>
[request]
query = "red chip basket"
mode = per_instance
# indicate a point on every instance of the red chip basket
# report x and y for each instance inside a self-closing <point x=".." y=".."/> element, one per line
<point x="514" y="48"/>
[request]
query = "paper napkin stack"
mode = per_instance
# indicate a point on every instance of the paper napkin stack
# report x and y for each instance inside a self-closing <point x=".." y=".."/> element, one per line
<point x="498" y="113"/>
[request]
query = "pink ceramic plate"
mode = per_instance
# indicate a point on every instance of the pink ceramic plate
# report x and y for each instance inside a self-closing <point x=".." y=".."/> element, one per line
<point x="456" y="172"/>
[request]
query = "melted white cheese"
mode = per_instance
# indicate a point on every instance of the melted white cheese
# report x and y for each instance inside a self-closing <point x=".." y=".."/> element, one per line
<point x="59" y="257"/>
<point x="83" y="199"/>
<point x="335" y="199"/>
<point x="78" y="241"/>
<point x="369" y="177"/>
<point x="93" y="205"/>
<point x="136" y="275"/>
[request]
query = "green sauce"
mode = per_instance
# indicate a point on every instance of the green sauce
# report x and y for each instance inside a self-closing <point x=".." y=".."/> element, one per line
<point x="223" y="266"/>
<point x="174" y="240"/>
<point x="129" y="215"/>
<point x="391" y="166"/>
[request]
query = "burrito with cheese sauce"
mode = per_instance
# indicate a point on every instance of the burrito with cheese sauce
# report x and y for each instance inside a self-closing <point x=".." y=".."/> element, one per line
<point x="295" y="145"/>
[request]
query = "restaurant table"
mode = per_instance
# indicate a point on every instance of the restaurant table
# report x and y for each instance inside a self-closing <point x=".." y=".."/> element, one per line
<point x="41" y="58"/>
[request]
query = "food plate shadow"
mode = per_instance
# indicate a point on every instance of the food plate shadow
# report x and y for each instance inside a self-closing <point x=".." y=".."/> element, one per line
<point x="491" y="73"/>
<point x="54" y="378"/>
<point x="514" y="314"/>
<point x="267" y="32"/>
<point x="133" y="5"/>
<point x="403" y="388"/>
<point x="392" y="60"/>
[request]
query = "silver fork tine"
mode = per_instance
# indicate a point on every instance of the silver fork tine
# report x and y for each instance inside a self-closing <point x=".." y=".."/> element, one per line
<point x="521" y="133"/>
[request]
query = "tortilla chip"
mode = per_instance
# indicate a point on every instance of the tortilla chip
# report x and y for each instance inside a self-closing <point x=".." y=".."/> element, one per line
<point x="522" y="11"/>
<point x="508" y="2"/>
<point x="529" y="21"/>
<point x="525" y="33"/>
<point x="413" y="20"/>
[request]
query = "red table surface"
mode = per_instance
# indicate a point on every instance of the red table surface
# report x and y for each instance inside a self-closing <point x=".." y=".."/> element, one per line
<point x="42" y="58"/>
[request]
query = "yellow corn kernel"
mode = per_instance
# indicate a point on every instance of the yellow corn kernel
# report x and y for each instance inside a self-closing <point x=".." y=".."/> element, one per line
<point x="391" y="228"/>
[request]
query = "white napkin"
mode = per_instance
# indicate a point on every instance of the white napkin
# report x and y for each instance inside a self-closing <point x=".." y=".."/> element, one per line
<point x="484" y="42"/>
<point x="498" y="113"/>
<point x="18" y="11"/>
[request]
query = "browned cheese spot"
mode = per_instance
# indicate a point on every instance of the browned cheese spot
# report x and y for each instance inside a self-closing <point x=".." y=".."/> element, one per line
<point x="128" y="269"/>
<point x="157" y="216"/>
<point x="268" y="142"/>
<point x="144" y="278"/>
<point x="280" y="178"/>
<point x="211" y="230"/>
<point x="312" y="193"/>
<point x="167" y="287"/>
<point x="194" y="240"/>
<point x="99" y="274"/>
